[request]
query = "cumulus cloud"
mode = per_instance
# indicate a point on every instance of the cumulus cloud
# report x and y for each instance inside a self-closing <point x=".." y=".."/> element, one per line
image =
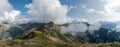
<point x="52" y="10"/>
<point x="13" y="17"/>
<point x="112" y="8"/>
<point x="5" y="6"/>
<point x="9" y="14"/>
<point x="48" y="10"/>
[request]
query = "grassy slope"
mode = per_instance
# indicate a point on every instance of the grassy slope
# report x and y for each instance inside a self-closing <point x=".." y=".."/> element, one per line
<point x="37" y="37"/>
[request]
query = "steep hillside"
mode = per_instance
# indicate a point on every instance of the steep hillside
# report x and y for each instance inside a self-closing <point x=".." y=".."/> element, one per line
<point x="47" y="32"/>
<point x="45" y="35"/>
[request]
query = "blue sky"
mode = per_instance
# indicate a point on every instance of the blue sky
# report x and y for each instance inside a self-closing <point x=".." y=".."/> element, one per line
<point x="80" y="12"/>
<point x="88" y="9"/>
<point x="74" y="12"/>
<point x="20" y="5"/>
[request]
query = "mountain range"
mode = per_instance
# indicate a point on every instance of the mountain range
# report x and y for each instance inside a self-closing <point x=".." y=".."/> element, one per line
<point x="52" y="35"/>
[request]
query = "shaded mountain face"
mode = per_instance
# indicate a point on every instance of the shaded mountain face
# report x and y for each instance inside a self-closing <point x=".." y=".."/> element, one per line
<point x="108" y="25"/>
<point x="103" y="34"/>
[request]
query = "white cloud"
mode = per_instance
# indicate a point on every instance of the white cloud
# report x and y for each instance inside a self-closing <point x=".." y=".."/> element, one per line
<point x="79" y="26"/>
<point x="94" y="11"/>
<point x="74" y="27"/>
<point x="112" y="8"/>
<point x="9" y="14"/>
<point x="101" y="13"/>
<point x="79" y="7"/>
<point x="77" y="20"/>
<point x="5" y="6"/>
<point x="13" y="17"/>
<point x="90" y="10"/>
<point x="117" y="28"/>
<point x="111" y="11"/>
<point x="52" y="10"/>
<point x="48" y="10"/>
<point x="94" y="26"/>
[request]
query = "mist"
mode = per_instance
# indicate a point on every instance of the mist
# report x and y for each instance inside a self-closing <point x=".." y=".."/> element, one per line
<point x="81" y="26"/>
